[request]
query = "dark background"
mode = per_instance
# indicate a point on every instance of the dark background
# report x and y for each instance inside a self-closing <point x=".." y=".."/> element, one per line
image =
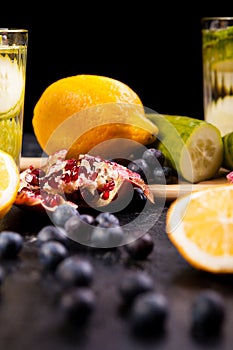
<point x="157" y="52"/>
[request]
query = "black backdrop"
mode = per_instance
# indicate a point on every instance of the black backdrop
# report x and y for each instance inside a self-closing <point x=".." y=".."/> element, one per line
<point x="156" y="52"/>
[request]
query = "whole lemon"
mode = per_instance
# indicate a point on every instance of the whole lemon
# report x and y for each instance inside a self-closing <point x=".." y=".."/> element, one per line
<point x="83" y="111"/>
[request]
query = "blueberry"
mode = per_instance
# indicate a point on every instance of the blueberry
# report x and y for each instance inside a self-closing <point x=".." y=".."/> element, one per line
<point x="207" y="313"/>
<point x="99" y="237"/>
<point x="62" y="213"/>
<point x="149" y="313"/>
<point x="106" y="219"/>
<point x="138" y="200"/>
<point x="140" y="167"/>
<point x="171" y="175"/>
<point x="154" y="157"/>
<point x="107" y="237"/>
<point x="78" y="230"/>
<point x="75" y="271"/>
<point x="11" y="244"/>
<point x="165" y="176"/>
<point x="51" y="253"/>
<point x="87" y="219"/>
<point x="133" y="284"/>
<point x="78" y="303"/>
<point x="115" y="235"/>
<point x="72" y="225"/>
<point x="141" y="247"/>
<point x="51" y="233"/>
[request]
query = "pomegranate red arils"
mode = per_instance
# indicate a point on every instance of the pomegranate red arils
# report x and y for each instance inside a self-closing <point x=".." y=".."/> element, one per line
<point x="106" y="189"/>
<point x="51" y="200"/>
<point x="87" y="178"/>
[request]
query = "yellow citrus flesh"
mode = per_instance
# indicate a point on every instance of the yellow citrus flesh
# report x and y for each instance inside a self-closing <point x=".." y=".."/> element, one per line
<point x="70" y="96"/>
<point x="9" y="182"/>
<point x="200" y="225"/>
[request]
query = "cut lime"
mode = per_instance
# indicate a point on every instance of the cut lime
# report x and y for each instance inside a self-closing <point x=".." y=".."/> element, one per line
<point x="193" y="147"/>
<point x="11" y="86"/>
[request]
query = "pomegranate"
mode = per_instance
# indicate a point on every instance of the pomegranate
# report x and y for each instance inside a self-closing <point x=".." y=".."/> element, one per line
<point x="87" y="181"/>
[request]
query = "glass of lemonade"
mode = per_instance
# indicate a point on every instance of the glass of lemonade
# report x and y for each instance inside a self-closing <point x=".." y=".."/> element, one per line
<point x="13" y="58"/>
<point x="217" y="51"/>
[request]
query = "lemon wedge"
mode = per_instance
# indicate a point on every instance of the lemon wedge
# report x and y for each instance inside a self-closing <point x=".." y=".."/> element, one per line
<point x="9" y="182"/>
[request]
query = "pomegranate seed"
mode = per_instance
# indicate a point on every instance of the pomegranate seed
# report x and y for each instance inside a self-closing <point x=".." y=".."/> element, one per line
<point x="105" y="195"/>
<point x="52" y="200"/>
<point x="107" y="187"/>
<point x="83" y="170"/>
<point x="32" y="179"/>
<point x="74" y="176"/>
<point x="66" y="178"/>
<point x="93" y="176"/>
<point x="71" y="164"/>
<point x="52" y="181"/>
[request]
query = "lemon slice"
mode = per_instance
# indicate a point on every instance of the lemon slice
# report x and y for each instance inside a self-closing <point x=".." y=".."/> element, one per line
<point x="11" y="85"/>
<point x="9" y="182"/>
<point x="200" y="226"/>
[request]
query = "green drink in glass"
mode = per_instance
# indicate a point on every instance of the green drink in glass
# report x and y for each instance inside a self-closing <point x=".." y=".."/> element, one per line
<point x="217" y="50"/>
<point x="13" y="58"/>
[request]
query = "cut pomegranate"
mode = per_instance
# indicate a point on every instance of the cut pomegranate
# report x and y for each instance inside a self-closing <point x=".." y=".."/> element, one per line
<point x="87" y="181"/>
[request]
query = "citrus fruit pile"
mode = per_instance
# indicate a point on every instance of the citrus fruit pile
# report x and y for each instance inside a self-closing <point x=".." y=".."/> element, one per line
<point x="9" y="182"/>
<point x="80" y="112"/>
<point x="200" y="226"/>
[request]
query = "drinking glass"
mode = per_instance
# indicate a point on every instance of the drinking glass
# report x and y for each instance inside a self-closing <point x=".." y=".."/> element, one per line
<point x="217" y="51"/>
<point x="13" y="58"/>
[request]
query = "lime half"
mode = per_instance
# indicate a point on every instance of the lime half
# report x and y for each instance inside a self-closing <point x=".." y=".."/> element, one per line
<point x="11" y="86"/>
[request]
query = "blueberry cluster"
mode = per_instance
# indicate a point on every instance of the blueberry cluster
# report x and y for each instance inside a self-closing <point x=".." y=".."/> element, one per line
<point x="146" y="309"/>
<point x="58" y="255"/>
<point x="100" y="231"/>
<point x="75" y="274"/>
<point x="152" y="167"/>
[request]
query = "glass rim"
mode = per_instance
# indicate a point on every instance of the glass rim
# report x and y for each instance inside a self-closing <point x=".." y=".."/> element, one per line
<point x="13" y="30"/>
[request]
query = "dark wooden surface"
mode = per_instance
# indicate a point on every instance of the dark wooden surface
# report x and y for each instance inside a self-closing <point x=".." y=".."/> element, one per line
<point x="30" y="318"/>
